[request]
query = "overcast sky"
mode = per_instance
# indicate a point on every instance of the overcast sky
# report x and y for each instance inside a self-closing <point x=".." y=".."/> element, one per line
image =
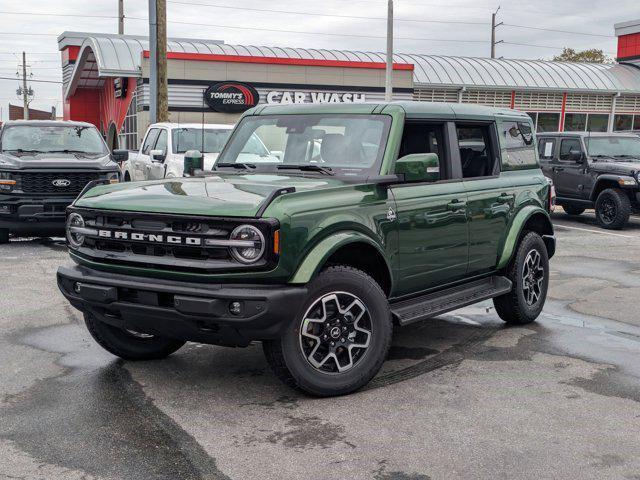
<point x="586" y="16"/>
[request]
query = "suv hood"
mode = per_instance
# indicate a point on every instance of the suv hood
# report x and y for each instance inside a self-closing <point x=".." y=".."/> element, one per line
<point x="55" y="160"/>
<point x="229" y="195"/>
<point x="614" y="165"/>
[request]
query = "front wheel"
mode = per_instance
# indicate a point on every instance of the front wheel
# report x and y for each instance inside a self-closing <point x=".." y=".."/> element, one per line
<point x="573" y="209"/>
<point x="129" y="344"/>
<point x="4" y="236"/>
<point x="529" y="274"/>
<point x="339" y="340"/>
<point x="613" y="208"/>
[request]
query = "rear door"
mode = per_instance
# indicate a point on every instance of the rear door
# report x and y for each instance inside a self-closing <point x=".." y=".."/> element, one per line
<point x="568" y="173"/>
<point x="431" y="216"/>
<point x="490" y="195"/>
<point x="547" y="149"/>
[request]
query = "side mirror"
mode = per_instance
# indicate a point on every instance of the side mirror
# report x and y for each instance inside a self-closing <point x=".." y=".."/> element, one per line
<point x="419" y="167"/>
<point x="120" y="156"/>
<point x="193" y="160"/>
<point x="157" y="155"/>
<point x="575" y="155"/>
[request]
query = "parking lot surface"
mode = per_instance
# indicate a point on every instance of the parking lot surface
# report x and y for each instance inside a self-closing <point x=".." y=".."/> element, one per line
<point x="461" y="396"/>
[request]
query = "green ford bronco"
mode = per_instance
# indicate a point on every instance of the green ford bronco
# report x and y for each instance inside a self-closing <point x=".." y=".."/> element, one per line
<point x="357" y="217"/>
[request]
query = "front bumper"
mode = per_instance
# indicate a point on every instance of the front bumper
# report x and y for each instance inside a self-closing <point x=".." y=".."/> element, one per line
<point x="185" y="311"/>
<point x="31" y="214"/>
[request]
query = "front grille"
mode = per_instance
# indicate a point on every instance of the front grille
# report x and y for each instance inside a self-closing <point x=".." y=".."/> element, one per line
<point x="43" y="182"/>
<point x="160" y="254"/>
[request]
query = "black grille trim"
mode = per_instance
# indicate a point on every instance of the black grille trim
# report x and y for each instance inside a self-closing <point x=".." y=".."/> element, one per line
<point x="42" y="182"/>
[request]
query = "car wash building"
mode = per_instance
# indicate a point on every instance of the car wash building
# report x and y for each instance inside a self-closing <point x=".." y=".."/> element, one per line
<point x="106" y="82"/>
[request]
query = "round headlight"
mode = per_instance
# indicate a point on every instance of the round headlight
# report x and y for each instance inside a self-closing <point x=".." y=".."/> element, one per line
<point x="248" y="254"/>
<point x="75" y="239"/>
<point x="638" y="176"/>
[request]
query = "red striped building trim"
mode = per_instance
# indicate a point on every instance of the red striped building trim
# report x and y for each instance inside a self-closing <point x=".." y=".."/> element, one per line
<point x="302" y="62"/>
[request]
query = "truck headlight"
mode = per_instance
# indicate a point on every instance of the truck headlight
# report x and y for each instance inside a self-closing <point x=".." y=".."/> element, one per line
<point x="6" y="182"/>
<point x="638" y="177"/>
<point x="254" y="241"/>
<point x="75" y="225"/>
<point x="113" y="177"/>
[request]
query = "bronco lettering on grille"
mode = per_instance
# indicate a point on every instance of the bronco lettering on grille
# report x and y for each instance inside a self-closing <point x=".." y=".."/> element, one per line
<point x="150" y="237"/>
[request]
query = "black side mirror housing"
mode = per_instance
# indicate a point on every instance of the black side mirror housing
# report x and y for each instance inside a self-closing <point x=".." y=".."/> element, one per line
<point x="576" y="156"/>
<point x="120" y="156"/>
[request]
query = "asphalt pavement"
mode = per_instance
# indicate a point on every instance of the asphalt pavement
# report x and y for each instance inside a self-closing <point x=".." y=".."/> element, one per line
<point x="461" y="396"/>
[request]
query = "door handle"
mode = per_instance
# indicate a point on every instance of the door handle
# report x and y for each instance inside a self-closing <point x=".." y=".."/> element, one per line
<point x="558" y="169"/>
<point x="505" y="198"/>
<point x="456" y="205"/>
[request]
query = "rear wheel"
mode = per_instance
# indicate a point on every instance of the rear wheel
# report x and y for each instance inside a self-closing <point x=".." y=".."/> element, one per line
<point x="529" y="273"/>
<point x="4" y="235"/>
<point x="573" y="209"/>
<point x="613" y="208"/>
<point x="129" y="344"/>
<point x="339" y="340"/>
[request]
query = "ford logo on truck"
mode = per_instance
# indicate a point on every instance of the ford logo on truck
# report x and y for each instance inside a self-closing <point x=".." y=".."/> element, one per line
<point x="61" y="182"/>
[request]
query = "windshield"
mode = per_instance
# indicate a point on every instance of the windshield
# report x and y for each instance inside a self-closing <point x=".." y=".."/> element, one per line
<point x="212" y="141"/>
<point x="48" y="139"/>
<point x="341" y="144"/>
<point x="622" y="147"/>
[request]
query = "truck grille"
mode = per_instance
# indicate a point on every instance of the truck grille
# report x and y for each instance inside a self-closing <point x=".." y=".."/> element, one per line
<point x="43" y="182"/>
<point x="168" y="242"/>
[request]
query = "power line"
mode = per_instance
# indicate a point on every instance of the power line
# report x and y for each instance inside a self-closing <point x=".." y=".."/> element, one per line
<point x="32" y="80"/>
<point x="544" y="46"/>
<point x="559" y="31"/>
<point x="314" y="14"/>
<point x="299" y="32"/>
<point x="34" y="34"/>
<point x="56" y="14"/>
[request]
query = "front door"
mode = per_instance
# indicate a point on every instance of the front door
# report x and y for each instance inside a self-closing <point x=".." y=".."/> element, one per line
<point x="568" y="173"/>
<point x="156" y="168"/>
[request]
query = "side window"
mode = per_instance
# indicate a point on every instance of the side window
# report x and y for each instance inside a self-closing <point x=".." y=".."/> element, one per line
<point x="420" y="137"/>
<point x="161" y="143"/>
<point x="547" y="148"/>
<point x="476" y="152"/>
<point x="150" y="140"/>
<point x="567" y="145"/>
<point x="519" y="145"/>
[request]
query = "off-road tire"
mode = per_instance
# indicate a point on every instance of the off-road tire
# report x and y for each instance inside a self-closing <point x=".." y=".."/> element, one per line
<point x="127" y="345"/>
<point x="512" y="307"/>
<point x="621" y="205"/>
<point x="4" y="236"/>
<point x="287" y="359"/>
<point x="573" y="209"/>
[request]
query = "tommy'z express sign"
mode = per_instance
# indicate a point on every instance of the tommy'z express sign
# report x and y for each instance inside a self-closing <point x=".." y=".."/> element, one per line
<point x="231" y="97"/>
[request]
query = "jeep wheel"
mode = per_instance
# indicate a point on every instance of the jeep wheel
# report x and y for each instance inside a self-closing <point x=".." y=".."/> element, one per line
<point x="339" y="340"/>
<point x="128" y="344"/>
<point x="613" y="208"/>
<point x="529" y="273"/>
<point x="573" y="209"/>
<point x="4" y="236"/>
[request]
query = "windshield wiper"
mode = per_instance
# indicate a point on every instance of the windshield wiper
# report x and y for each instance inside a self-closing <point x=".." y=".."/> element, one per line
<point x="244" y="166"/>
<point x="307" y="168"/>
<point x="21" y="150"/>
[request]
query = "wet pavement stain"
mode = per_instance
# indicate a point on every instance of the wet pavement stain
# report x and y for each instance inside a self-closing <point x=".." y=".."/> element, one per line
<point x="309" y="432"/>
<point x="397" y="352"/>
<point x="382" y="474"/>
<point x="98" y="420"/>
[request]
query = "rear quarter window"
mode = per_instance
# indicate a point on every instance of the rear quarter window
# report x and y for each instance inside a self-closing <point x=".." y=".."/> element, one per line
<point x="518" y="143"/>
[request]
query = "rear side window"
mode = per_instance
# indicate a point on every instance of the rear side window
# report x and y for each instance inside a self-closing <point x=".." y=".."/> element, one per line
<point x="567" y="145"/>
<point x="519" y="147"/>
<point x="476" y="154"/>
<point x="547" y="148"/>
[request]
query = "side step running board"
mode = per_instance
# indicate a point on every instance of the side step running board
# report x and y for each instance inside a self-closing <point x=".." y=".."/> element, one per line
<point x="437" y="303"/>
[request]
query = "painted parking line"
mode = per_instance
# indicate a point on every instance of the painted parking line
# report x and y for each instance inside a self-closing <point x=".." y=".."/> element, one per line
<point x="559" y="225"/>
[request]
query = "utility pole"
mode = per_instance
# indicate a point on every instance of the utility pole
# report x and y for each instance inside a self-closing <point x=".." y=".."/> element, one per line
<point x="158" y="106"/>
<point x="25" y="90"/>
<point x="388" y="87"/>
<point x="163" y="94"/>
<point x="493" y="33"/>
<point x="120" y="17"/>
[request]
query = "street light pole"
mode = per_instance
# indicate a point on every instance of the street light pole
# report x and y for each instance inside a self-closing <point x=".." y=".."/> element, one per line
<point x="493" y="33"/>
<point x="388" y="87"/>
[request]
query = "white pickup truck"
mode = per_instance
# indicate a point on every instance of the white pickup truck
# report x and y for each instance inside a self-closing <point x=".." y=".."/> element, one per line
<point x="161" y="153"/>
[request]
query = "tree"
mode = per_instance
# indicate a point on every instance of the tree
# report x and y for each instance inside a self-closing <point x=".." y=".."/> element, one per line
<point x="593" y="55"/>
